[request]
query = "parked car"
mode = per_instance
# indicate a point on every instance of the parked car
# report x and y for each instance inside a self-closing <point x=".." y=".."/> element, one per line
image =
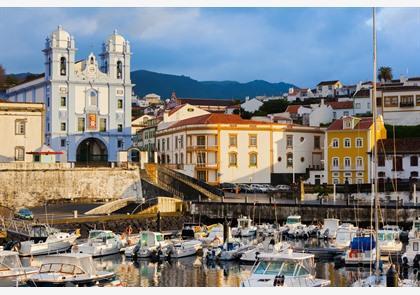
<point x="245" y="188"/>
<point x="256" y="188"/>
<point x="283" y="188"/>
<point x="24" y="213"/>
<point x="228" y="187"/>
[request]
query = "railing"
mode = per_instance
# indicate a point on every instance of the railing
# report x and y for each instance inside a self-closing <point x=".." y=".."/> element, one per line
<point x="192" y="180"/>
<point x="206" y="165"/>
<point x="202" y="147"/>
<point x="347" y="168"/>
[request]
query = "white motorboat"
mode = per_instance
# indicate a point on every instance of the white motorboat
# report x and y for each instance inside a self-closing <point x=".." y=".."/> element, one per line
<point x="100" y="243"/>
<point x="411" y="256"/>
<point x="266" y="230"/>
<point x="287" y="269"/>
<point x="244" y="228"/>
<point x="69" y="269"/>
<point x="55" y="242"/>
<point x="415" y="229"/>
<point x="184" y="248"/>
<point x="389" y="240"/>
<point x="149" y="244"/>
<point x="329" y="229"/>
<point x="362" y="251"/>
<point x="11" y="266"/>
<point x="267" y="246"/>
<point x="294" y="226"/>
<point x="232" y="249"/>
<point x="214" y="236"/>
<point x="345" y="234"/>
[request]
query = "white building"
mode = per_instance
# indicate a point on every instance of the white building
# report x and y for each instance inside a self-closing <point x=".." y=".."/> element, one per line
<point x="88" y="102"/>
<point x="252" y="105"/>
<point x="321" y="114"/>
<point x="404" y="163"/>
<point x="328" y="88"/>
<point x="341" y="108"/>
<point x="220" y="148"/>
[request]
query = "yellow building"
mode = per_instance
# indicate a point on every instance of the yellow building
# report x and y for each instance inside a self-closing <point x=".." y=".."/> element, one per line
<point x="350" y="141"/>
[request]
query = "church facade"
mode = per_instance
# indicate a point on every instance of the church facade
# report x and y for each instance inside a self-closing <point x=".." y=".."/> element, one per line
<point x="87" y="102"/>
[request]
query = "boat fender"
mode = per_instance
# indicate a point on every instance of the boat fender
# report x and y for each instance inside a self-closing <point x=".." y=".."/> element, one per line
<point x="391" y="277"/>
<point x="278" y="281"/>
<point x="256" y="255"/>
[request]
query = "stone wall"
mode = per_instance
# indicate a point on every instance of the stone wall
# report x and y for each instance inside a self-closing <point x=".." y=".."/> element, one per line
<point x="34" y="184"/>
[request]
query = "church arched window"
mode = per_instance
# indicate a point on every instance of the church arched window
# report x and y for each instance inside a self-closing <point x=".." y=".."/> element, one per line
<point x="93" y="99"/>
<point x="63" y="66"/>
<point x="119" y="69"/>
<point x="49" y="66"/>
<point x="92" y="61"/>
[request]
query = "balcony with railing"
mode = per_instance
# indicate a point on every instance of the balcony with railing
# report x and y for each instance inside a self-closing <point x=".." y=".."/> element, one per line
<point x="347" y="168"/>
<point x="206" y="165"/>
<point x="191" y="148"/>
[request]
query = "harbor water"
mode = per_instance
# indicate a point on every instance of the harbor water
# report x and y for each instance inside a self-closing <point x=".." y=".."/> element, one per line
<point x="193" y="271"/>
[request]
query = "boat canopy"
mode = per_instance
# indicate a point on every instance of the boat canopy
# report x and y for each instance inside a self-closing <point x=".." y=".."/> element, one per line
<point x="363" y="243"/>
<point x="9" y="260"/>
<point x="293" y="219"/>
<point x="80" y="260"/>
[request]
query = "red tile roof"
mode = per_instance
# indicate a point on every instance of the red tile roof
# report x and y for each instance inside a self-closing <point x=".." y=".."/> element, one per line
<point x="328" y="82"/>
<point x="363" y="124"/>
<point x="205" y="101"/>
<point x="216" y="118"/>
<point x="402" y="146"/>
<point x="293" y="109"/>
<point x="336" y="105"/>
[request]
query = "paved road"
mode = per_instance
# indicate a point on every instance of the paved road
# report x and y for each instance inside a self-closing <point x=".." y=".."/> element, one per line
<point x="60" y="211"/>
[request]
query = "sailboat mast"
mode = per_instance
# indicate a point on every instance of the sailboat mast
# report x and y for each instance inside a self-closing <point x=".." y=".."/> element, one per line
<point x="375" y="150"/>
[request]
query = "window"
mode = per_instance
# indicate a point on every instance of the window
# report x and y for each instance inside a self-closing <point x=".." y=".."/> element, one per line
<point x="102" y="124"/>
<point x="202" y="175"/>
<point x="407" y="101"/>
<point x="19" y="153"/>
<point x="176" y="158"/>
<point x="359" y="180"/>
<point x="62" y="142"/>
<point x="391" y="101"/>
<point x="81" y="124"/>
<point x="346" y="113"/>
<point x="167" y="143"/>
<point x="176" y="143"/>
<point x="317" y="142"/>
<point x="63" y="126"/>
<point x="289" y="141"/>
<point x="201" y="158"/>
<point x="253" y="159"/>
<point x="120" y="104"/>
<point x="414" y="161"/>
<point x="381" y="160"/>
<point x="201" y="140"/>
<point x="415" y="246"/>
<point x="417" y="100"/>
<point x="359" y="162"/>
<point x="63" y="101"/>
<point x="335" y="143"/>
<point x="397" y="163"/>
<point x="359" y="142"/>
<point x="289" y="157"/>
<point x="347" y="142"/>
<point x="158" y="145"/>
<point x="335" y="181"/>
<point x="181" y="161"/>
<point x="334" y="115"/>
<point x="181" y="141"/>
<point x="302" y="159"/>
<point x="335" y="162"/>
<point x="252" y="140"/>
<point x="233" y="159"/>
<point x="119" y="143"/>
<point x="93" y="99"/>
<point x="20" y="127"/>
<point x="302" y="139"/>
<point x="381" y="174"/>
<point x="357" y="105"/>
<point x="48" y="101"/>
<point x="368" y="105"/>
<point x="233" y="140"/>
<point x="119" y="128"/>
<point x="119" y="70"/>
<point x="63" y="66"/>
<point x="414" y="174"/>
<point x="347" y="162"/>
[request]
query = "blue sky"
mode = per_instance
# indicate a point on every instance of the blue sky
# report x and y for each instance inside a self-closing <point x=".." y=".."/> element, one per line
<point x="297" y="45"/>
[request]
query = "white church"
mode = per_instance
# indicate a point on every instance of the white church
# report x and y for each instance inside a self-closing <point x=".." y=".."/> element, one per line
<point x="87" y="102"/>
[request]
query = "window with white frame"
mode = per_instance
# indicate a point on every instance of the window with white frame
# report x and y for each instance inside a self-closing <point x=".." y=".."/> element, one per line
<point x="347" y="162"/>
<point x="19" y="153"/>
<point x="335" y="143"/>
<point x="336" y="181"/>
<point x="253" y="158"/>
<point x="335" y="162"/>
<point x="347" y="142"/>
<point x="359" y="142"/>
<point x="233" y="159"/>
<point x="359" y="162"/>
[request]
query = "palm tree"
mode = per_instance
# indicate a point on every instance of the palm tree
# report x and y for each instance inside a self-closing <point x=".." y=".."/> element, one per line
<point x="385" y="74"/>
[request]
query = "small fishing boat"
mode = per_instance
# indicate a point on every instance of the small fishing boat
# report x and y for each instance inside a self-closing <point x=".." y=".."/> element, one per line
<point x="183" y="248"/>
<point x="286" y="269"/>
<point x="411" y="256"/>
<point x="150" y="244"/>
<point x="55" y="242"/>
<point x="329" y="229"/>
<point x="294" y="226"/>
<point x="11" y="266"/>
<point x="232" y="249"/>
<point x="345" y="234"/>
<point x="69" y="269"/>
<point x="100" y="243"/>
<point x="389" y="240"/>
<point x="362" y="251"/>
<point x="267" y="246"/>
<point x="244" y="228"/>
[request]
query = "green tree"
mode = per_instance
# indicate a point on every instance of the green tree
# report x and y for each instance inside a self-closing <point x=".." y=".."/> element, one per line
<point x="274" y="106"/>
<point x="385" y="73"/>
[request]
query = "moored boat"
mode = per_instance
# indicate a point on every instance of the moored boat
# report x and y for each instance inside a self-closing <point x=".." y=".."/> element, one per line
<point x="11" y="266"/>
<point x="100" y="243"/>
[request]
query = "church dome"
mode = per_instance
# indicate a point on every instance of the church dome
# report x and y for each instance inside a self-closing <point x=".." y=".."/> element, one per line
<point x="117" y="42"/>
<point x="61" y="37"/>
